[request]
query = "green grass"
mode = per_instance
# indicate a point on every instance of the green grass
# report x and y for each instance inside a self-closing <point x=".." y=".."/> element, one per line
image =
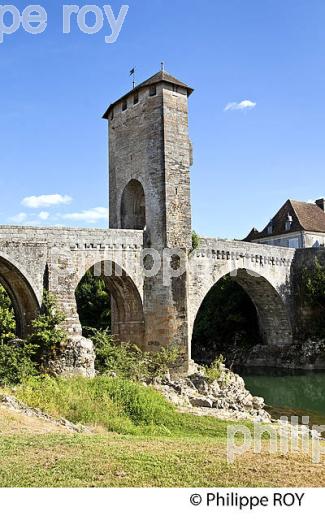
<point x="141" y="441"/>
<point x="113" y="460"/>
<point x="117" y="405"/>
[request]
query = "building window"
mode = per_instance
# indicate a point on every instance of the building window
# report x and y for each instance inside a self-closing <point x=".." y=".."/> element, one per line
<point x="270" y="228"/>
<point x="136" y="98"/>
<point x="288" y="223"/>
<point x="112" y="115"/>
<point x="153" y="90"/>
<point x="124" y="104"/>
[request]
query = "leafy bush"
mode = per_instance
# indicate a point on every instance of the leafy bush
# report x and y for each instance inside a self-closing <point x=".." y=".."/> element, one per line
<point x="161" y="362"/>
<point x="195" y="240"/>
<point x="213" y="371"/>
<point x="20" y="359"/>
<point x="15" y="356"/>
<point x="7" y="316"/>
<point x="314" y="284"/>
<point x="312" y="292"/>
<point x="16" y="362"/>
<point x="124" y="359"/>
<point x="47" y="337"/>
<point x="129" y="361"/>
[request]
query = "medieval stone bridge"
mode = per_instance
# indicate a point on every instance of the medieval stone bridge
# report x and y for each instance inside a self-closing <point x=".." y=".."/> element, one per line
<point x="150" y="155"/>
<point x="34" y="259"/>
<point x="264" y="272"/>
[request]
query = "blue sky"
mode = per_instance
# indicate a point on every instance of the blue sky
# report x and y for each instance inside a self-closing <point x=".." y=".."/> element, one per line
<point x="54" y="89"/>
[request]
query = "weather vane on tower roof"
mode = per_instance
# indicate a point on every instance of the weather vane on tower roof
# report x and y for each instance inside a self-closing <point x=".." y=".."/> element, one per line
<point x="132" y="73"/>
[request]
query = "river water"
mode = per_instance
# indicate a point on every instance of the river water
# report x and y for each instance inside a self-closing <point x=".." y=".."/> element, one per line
<point x="289" y="392"/>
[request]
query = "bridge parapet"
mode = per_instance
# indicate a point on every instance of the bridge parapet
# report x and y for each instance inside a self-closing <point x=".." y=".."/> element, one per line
<point x="235" y="250"/>
<point x="78" y="238"/>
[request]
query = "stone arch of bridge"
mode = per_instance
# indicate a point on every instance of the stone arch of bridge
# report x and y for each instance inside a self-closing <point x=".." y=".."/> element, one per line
<point x="133" y="206"/>
<point x="272" y="310"/>
<point x="126" y="301"/>
<point x="24" y="298"/>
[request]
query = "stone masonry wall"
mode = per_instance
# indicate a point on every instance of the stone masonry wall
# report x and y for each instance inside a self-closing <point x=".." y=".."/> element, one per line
<point x="263" y="271"/>
<point x="57" y="259"/>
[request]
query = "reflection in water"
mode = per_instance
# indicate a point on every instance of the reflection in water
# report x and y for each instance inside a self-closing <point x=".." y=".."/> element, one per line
<point x="289" y="392"/>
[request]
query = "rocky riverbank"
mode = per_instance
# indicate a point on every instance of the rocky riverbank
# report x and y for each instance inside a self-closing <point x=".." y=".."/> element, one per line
<point x="224" y="398"/>
<point x="309" y="355"/>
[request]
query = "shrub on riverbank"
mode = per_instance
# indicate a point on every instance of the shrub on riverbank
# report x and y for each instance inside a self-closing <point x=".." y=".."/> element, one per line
<point x="21" y="359"/>
<point x="128" y="361"/>
<point x="16" y="362"/>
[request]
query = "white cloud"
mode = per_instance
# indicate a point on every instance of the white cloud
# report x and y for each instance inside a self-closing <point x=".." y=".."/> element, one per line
<point x="45" y="201"/>
<point x="44" y="215"/>
<point x="19" y="218"/>
<point x="243" y="105"/>
<point x="90" y="216"/>
<point x="24" y="219"/>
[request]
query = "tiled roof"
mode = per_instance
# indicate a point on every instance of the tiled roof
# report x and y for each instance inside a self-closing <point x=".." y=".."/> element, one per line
<point x="306" y="216"/>
<point x="310" y="216"/>
<point x="161" y="76"/>
<point x="167" y="78"/>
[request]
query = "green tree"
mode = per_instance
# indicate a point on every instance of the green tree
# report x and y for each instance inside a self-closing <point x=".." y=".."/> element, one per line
<point x="48" y="337"/>
<point x="93" y="303"/>
<point x="312" y="293"/>
<point x="15" y="355"/>
<point x="314" y="285"/>
<point x="7" y="316"/>
<point x="227" y="318"/>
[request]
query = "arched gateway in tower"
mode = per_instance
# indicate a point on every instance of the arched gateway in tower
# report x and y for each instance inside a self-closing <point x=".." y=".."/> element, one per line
<point x="150" y="155"/>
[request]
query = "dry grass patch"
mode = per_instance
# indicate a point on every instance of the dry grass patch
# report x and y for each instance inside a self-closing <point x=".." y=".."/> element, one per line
<point x="13" y="423"/>
<point x="116" y="461"/>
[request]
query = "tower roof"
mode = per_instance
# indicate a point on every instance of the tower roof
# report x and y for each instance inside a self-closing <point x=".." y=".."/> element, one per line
<point x="161" y="77"/>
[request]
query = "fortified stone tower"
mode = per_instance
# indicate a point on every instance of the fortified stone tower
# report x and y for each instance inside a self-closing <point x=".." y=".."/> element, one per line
<point x="150" y="155"/>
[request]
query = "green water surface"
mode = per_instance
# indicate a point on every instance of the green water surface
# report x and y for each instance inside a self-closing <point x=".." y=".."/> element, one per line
<point x="289" y="392"/>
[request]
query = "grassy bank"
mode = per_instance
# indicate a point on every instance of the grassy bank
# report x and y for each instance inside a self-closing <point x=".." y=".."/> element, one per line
<point x="116" y="405"/>
<point x="140" y="440"/>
